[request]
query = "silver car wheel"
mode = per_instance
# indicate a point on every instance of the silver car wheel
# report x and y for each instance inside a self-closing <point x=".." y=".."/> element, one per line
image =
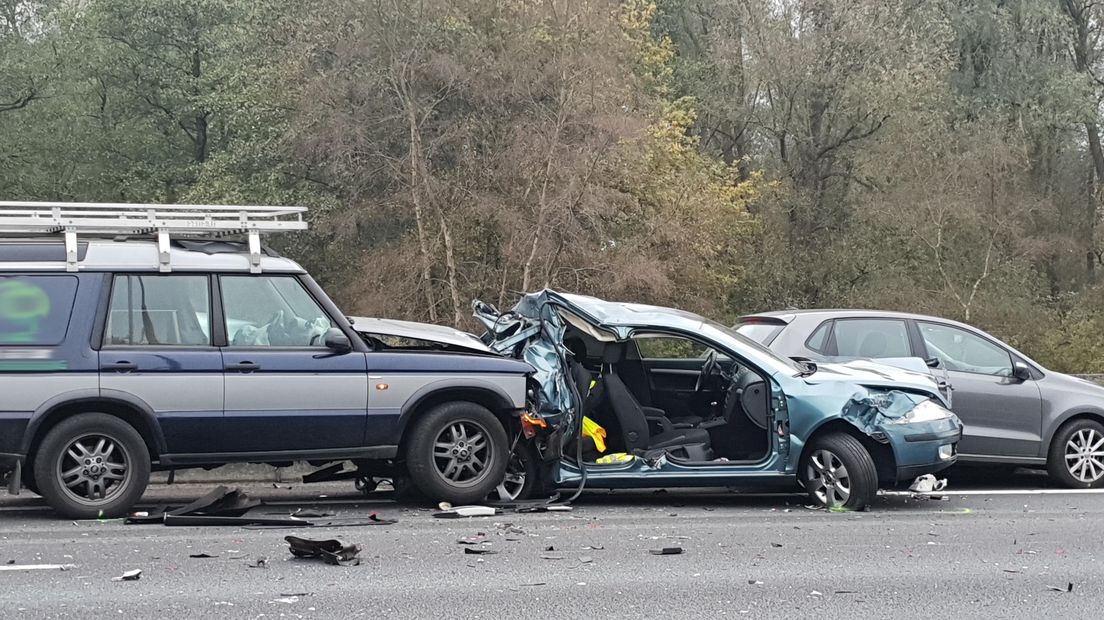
<point x="461" y="453"/>
<point x="514" y="481"/>
<point x="1085" y="455"/>
<point x="828" y="476"/>
<point x="93" y="468"/>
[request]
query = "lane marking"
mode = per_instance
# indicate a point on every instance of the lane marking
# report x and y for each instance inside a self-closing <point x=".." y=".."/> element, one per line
<point x="37" y="566"/>
<point x="999" y="492"/>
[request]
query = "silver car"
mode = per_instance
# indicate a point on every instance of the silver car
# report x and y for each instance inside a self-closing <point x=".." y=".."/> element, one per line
<point x="1015" y="411"/>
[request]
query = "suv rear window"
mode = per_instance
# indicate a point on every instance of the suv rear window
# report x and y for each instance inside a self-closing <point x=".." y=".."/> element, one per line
<point x="35" y="310"/>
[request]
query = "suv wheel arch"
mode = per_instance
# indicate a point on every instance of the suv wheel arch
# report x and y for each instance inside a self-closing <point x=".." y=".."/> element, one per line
<point x="138" y="416"/>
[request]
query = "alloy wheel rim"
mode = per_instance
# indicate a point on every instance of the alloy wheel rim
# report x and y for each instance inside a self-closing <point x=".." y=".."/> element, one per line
<point x="514" y="480"/>
<point x="462" y="453"/>
<point x="94" y="468"/>
<point x="828" y="477"/>
<point x="1085" y="455"/>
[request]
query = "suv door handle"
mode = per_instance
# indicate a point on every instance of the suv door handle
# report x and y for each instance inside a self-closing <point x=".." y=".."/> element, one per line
<point x="243" y="366"/>
<point x="120" y="366"/>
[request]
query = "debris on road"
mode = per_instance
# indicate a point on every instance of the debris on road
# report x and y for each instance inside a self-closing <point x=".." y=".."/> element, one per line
<point x="666" y="551"/>
<point x="202" y="555"/>
<point x="1067" y="588"/>
<point x="130" y="575"/>
<point x="259" y="563"/>
<point x="479" y="551"/>
<point x="331" y="551"/>
<point x="456" y="512"/>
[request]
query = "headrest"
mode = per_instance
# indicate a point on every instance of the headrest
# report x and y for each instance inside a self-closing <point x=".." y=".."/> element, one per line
<point x="612" y="353"/>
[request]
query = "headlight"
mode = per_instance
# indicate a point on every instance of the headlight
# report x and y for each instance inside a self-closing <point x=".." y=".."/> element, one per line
<point x="927" y="411"/>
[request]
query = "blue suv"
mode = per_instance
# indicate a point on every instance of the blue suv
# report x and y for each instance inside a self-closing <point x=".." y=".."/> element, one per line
<point x="119" y="356"/>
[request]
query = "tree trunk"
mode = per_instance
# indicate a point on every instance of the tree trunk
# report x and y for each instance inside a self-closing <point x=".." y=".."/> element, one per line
<point x="419" y="211"/>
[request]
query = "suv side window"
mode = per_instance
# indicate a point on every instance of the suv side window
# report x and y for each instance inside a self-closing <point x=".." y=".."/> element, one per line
<point x="171" y="310"/>
<point x="34" y="310"/>
<point x="873" y="338"/>
<point x="958" y="349"/>
<point x="271" y="311"/>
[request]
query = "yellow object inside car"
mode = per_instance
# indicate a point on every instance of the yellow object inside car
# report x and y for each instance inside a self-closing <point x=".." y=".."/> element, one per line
<point x="593" y="430"/>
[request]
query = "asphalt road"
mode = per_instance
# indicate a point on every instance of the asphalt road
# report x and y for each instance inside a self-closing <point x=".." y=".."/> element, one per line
<point x="994" y="549"/>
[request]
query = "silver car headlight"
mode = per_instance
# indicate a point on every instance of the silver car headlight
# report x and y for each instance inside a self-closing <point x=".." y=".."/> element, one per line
<point x="927" y="411"/>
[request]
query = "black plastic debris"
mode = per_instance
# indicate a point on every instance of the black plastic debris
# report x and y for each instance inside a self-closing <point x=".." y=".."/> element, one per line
<point x="776" y="545"/>
<point x="202" y="520"/>
<point x="202" y="555"/>
<point x="1068" y="588"/>
<point x="130" y="575"/>
<point x="310" y="514"/>
<point x="259" y="563"/>
<point x="219" y="502"/>
<point x="479" y="551"/>
<point x="330" y="551"/>
<point x="666" y="551"/>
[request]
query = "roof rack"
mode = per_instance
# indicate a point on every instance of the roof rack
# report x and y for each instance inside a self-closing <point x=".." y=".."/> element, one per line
<point x="114" y="219"/>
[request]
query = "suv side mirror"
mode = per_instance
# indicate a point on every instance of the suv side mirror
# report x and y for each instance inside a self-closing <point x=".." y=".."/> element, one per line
<point x="337" y="341"/>
<point x="1020" y="371"/>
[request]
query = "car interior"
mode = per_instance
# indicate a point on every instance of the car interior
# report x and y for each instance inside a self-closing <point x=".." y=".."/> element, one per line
<point x="705" y="409"/>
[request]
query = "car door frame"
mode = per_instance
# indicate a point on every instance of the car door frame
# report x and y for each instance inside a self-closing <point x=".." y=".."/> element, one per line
<point x="1013" y="357"/>
<point x="178" y="431"/>
<point x="356" y="448"/>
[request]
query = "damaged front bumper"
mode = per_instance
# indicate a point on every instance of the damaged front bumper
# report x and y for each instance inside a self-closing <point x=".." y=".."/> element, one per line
<point x="924" y="447"/>
<point x="923" y="433"/>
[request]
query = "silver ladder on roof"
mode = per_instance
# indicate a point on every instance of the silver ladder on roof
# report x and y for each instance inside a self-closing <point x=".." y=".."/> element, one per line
<point x="115" y="219"/>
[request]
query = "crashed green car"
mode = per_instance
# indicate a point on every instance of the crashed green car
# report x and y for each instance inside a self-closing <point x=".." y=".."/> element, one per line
<point x="635" y="396"/>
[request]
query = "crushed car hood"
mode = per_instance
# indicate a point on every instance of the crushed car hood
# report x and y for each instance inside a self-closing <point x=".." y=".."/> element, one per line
<point x="419" y="331"/>
<point x="872" y="374"/>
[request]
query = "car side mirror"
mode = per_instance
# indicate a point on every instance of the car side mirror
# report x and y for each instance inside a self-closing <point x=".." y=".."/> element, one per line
<point x="1020" y="371"/>
<point x="337" y="341"/>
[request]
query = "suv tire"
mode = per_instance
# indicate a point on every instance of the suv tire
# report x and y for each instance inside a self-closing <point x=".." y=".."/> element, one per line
<point x="457" y="453"/>
<point x="110" y="476"/>
<point x="838" y="472"/>
<point x="1068" y="460"/>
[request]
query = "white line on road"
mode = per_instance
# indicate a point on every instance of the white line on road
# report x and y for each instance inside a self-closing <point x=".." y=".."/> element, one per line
<point x="37" y="566"/>
<point x="1000" y="492"/>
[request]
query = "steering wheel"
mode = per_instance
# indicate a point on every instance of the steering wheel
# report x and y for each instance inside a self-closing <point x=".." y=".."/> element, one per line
<point x="707" y="369"/>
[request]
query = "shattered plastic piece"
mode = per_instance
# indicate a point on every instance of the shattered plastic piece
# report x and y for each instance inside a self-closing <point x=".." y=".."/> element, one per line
<point x="1068" y="588"/>
<point x="466" y="511"/>
<point x="331" y="551"/>
<point x="928" y="484"/>
<point x="259" y="563"/>
<point x="202" y="555"/>
<point x="472" y="540"/>
<point x="666" y="551"/>
<point x="594" y="547"/>
<point x="551" y="556"/>
<point x="754" y="582"/>
<point x="479" y="551"/>
<point x="776" y="545"/>
<point x="130" y="575"/>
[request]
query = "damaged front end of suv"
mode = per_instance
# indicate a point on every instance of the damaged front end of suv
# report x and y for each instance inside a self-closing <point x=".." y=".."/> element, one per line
<point x="634" y="396"/>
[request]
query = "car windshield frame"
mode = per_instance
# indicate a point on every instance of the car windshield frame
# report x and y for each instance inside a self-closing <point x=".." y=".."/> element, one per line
<point x="765" y="356"/>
